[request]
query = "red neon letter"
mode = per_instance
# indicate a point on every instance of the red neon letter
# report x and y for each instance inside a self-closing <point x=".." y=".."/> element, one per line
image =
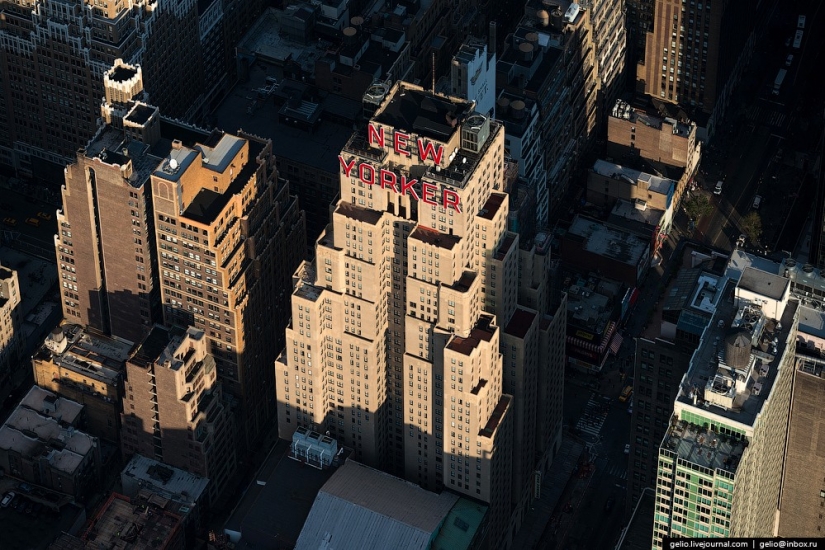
<point x="428" y="193"/>
<point x="407" y="186"/>
<point x="375" y="134"/>
<point x="426" y="150"/>
<point x="389" y="179"/>
<point x="399" y="143"/>
<point x="365" y="170"/>
<point x="451" y="199"/>
<point x="347" y="166"/>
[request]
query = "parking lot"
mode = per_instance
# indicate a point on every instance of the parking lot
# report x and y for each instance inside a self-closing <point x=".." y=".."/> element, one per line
<point x="26" y="526"/>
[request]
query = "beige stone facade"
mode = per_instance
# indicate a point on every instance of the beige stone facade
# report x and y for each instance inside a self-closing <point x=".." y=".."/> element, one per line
<point x="11" y="339"/>
<point x="395" y="343"/>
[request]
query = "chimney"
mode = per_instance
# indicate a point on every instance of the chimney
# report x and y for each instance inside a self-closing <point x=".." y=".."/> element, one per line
<point x="491" y="39"/>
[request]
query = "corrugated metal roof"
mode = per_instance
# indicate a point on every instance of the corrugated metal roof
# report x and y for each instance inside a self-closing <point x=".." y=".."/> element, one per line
<point x="360" y="507"/>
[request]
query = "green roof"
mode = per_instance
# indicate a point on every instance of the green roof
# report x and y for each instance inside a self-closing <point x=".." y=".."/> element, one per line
<point x="460" y="526"/>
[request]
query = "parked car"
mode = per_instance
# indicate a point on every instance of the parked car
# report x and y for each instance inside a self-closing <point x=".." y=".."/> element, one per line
<point x="33" y="221"/>
<point x="608" y="506"/>
<point x="718" y="189"/>
<point x="789" y="60"/>
<point x="7" y="499"/>
<point x="44" y="216"/>
<point x="757" y="200"/>
<point x="11" y="222"/>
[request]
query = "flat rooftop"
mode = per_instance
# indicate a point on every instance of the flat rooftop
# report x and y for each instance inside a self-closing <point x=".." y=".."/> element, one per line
<point x="121" y="523"/>
<point x="627" y="210"/>
<point x="609" y="242"/>
<point x="655" y="184"/>
<point x="764" y="283"/>
<point x="625" y="111"/>
<point x="276" y="504"/>
<point x="434" y="237"/>
<point x="492" y="206"/>
<point x="419" y="111"/>
<point x="703" y="447"/>
<point x="167" y="481"/>
<point x="591" y="301"/>
<point x="52" y="405"/>
<point x="86" y="352"/>
<point x="32" y="434"/>
<point x="483" y="331"/>
<point x="269" y="41"/>
<point x="152" y="346"/>
<point x="710" y="367"/>
<point x="520" y="322"/>
<point x="248" y="107"/>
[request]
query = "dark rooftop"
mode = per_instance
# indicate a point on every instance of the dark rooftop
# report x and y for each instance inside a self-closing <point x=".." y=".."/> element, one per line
<point x="482" y="331"/>
<point x="353" y="212"/>
<point x="495" y="418"/>
<point x="151" y="347"/>
<point x="422" y="112"/>
<point x="140" y="113"/>
<point x="465" y="282"/>
<point x="121" y="73"/>
<point x="520" y="323"/>
<point x="434" y="237"/>
<point x="488" y="211"/>
<point x="207" y="204"/>
<point x="505" y="246"/>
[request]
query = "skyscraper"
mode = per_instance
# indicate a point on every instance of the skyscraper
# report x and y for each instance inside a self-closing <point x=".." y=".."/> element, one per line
<point x="214" y="242"/>
<point x="720" y="462"/>
<point x="228" y="237"/>
<point x="396" y="340"/>
<point x="693" y="51"/>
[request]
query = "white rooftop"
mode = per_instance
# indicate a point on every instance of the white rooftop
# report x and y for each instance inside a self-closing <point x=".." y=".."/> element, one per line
<point x="51" y="405"/>
<point x="656" y="184"/>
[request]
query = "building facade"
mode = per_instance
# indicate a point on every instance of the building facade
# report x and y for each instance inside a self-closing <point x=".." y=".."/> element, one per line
<point x="720" y="463"/>
<point x="88" y="368"/>
<point x="802" y="497"/>
<point x="395" y="347"/>
<point x="11" y="339"/>
<point x="228" y="235"/>
<point x="695" y="53"/>
<point x="106" y="204"/>
<point x="174" y="410"/>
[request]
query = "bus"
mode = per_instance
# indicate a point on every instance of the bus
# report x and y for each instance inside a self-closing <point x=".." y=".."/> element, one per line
<point x="797" y="41"/>
<point x="777" y="84"/>
<point x="800" y="23"/>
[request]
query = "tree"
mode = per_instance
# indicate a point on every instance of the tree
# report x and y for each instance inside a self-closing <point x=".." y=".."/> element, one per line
<point x="752" y="226"/>
<point x="698" y="205"/>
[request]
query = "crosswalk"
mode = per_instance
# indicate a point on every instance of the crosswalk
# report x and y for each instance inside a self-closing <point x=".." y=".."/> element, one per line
<point x="593" y="418"/>
<point x="769" y="117"/>
<point x="617" y="470"/>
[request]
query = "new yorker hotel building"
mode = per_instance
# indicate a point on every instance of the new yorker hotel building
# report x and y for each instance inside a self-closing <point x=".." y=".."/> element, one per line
<point x="390" y="349"/>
